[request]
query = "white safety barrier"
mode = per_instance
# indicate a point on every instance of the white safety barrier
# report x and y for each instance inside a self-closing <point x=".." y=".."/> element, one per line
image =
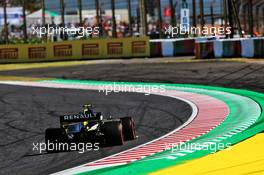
<point x="218" y="48"/>
<point x="167" y="49"/>
<point x="247" y="48"/>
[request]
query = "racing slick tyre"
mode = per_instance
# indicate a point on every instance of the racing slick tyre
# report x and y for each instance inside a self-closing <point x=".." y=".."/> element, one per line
<point x="56" y="140"/>
<point x="113" y="133"/>
<point x="129" y="130"/>
<point x="99" y="116"/>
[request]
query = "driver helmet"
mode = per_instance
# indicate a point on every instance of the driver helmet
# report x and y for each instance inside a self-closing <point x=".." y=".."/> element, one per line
<point x="87" y="109"/>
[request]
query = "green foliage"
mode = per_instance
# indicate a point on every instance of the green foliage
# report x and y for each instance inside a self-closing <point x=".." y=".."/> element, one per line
<point x="22" y="41"/>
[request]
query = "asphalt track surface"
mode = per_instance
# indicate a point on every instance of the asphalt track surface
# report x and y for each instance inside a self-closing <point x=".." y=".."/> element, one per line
<point x="27" y="112"/>
<point x="215" y="73"/>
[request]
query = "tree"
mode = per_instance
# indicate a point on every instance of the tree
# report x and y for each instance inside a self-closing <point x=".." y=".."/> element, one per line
<point x="172" y="11"/>
<point x="159" y="18"/>
<point x="98" y="17"/>
<point x="129" y="18"/>
<point x="250" y="21"/>
<point x="5" y="22"/>
<point x="143" y="16"/>
<point x="113" y="18"/>
<point x="30" y="5"/>
<point x="202" y="21"/>
<point x="43" y="12"/>
<point x="194" y="12"/>
<point x="27" y="5"/>
<point x="80" y="10"/>
<point x="62" y="6"/>
<point x="24" y="3"/>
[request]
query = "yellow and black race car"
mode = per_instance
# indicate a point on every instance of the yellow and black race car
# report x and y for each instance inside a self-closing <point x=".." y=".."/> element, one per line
<point x="91" y="127"/>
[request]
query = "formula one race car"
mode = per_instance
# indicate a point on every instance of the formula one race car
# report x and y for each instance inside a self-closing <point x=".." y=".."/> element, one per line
<point x="90" y="126"/>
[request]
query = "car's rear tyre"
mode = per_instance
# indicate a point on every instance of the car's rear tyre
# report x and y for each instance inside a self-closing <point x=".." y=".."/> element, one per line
<point x="56" y="140"/>
<point x="113" y="133"/>
<point x="99" y="116"/>
<point x="129" y="130"/>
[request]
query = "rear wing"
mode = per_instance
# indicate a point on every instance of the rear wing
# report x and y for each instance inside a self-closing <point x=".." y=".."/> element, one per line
<point x="74" y="118"/>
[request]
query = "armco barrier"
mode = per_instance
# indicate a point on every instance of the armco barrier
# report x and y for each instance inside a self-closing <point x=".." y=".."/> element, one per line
<point x="81" y="49"/>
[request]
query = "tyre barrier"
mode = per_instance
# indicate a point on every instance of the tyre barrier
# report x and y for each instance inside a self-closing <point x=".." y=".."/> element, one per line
<point x="230" y="48"/>
<point x="155" y="49"/>
<point x="208" y="47"/>
<point x="258" y="44"/>
<point x="227" y="48"/>
<point x="172" y="47"/>
<point x="204" y="49"/>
